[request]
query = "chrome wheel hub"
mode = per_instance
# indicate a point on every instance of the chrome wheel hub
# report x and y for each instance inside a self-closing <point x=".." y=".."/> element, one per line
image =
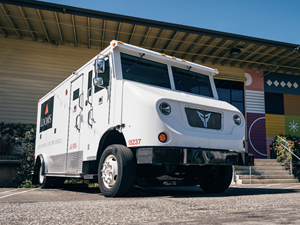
<point x="109" y="171"/>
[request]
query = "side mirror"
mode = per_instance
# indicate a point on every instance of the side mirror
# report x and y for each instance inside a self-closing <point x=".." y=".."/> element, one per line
<point x="98" y="81"/>
<point x="99" y="66"/>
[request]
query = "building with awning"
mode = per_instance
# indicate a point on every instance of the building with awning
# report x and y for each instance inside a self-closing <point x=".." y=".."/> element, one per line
<point x="42" y="43"/>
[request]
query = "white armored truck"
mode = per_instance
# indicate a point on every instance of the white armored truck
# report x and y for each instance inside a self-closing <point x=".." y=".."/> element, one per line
<point x="134" y="116"/>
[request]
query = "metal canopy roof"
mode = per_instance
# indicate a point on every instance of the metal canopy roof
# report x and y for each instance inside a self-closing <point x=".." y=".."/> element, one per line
<point x="66" y="25"/>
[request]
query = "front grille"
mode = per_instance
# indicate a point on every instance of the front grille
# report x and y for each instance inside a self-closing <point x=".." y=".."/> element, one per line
<point x="203" y="119"/>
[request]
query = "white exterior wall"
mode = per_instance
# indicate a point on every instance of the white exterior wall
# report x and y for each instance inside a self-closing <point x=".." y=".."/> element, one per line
<point x="29" y="70"/>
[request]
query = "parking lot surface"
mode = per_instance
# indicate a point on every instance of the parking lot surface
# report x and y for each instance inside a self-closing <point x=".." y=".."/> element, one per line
<point x="75" y="204"/>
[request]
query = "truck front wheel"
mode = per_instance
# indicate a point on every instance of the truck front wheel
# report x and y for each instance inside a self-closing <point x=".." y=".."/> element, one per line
<point x="217" y="180"/>
<point x="116" y="171"/>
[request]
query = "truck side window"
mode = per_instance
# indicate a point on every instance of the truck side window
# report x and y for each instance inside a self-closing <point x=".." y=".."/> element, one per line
<point x="76" y="94"/>
<point x="104" y="75"/>
<point x="90" y="82"/>
<point x="191" y="82"/>
<point x="145" y="71"/>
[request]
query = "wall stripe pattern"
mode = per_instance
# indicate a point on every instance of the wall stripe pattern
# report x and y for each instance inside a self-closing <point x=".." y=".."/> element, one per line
<point x="255" y="101"/>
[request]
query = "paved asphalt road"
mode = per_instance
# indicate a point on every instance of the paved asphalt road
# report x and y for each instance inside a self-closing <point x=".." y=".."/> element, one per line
<point x="242" y="204"/>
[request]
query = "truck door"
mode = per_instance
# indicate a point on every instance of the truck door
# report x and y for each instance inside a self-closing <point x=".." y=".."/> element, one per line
<point x="75" y="120"/>
<point x="95" y="112"/>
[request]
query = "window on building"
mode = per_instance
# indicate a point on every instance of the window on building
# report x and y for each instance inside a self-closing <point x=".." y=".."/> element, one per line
<point x="231" y="92"/>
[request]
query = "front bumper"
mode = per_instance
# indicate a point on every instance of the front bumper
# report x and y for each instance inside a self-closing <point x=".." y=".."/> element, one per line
<point x="192" y="156"/>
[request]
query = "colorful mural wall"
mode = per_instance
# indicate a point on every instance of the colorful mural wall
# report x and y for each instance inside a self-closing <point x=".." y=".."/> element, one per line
<point x="272" y="108"/>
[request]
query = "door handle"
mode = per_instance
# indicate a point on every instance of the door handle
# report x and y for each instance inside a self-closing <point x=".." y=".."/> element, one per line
<point x="88" y="96"/>
<point x="89" y="118"/>
<point x="76" y="124"/>
<point x="79" y="104"/>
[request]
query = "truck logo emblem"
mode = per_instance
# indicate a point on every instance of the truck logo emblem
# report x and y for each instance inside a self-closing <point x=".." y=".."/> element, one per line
<point x="46" y="110"/>
<point x="46" y="118"/>
<point x="204" y="118"/>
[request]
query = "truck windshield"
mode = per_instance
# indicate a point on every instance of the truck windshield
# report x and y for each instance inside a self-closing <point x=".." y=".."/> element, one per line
<point x="145" y="71"/>
<point x="191" y="82"/>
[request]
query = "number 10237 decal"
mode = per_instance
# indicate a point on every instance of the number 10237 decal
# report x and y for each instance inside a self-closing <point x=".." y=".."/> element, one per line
<point x="134" y="141"/>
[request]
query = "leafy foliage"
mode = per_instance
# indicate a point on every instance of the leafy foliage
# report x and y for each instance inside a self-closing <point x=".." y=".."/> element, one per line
<point x="11" y="135"/>
<point x="28" y="184"/>
<point x="80" y="181"/>
<point x="283" y="155"/>
<point x="296" y="171"/>
<point x="22" y="135"/>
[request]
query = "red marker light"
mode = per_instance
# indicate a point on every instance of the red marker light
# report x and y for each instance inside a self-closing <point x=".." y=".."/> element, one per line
<point x="162" y="137"/>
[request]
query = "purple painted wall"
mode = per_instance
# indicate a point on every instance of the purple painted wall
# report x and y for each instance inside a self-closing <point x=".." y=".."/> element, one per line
<point x="257" y="134"/>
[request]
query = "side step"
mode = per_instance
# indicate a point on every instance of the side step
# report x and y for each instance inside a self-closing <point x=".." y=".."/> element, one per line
<point x="242" y="177"/>
<point x="90" y="176"/>
<point x="269" y="181"/>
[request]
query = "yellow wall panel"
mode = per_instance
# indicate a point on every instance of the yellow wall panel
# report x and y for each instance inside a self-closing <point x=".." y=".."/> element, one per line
<point x="228" y="73"/>
<point x="291" y="105"/>
<point x="275" y="124"/>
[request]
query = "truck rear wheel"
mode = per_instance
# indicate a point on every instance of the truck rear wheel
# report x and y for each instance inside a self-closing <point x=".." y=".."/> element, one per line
<point x="116" y="171"/>
<point x="44" y="181"/>
<point x="218" y="179"/>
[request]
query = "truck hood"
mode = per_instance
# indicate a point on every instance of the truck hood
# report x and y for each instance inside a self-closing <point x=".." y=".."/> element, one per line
<point x="157" y="94"/>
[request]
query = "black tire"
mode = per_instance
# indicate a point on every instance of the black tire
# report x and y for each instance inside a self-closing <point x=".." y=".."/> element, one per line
<point x="218" y="180"/>
<point x="121" y="183"/>
<point x="44" y="181"/>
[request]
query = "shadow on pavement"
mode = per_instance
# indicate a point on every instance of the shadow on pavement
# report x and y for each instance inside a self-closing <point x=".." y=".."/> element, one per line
<point x="194" y="192"/>
<point x="80" y="188"/>
<point x="183" y="192"/>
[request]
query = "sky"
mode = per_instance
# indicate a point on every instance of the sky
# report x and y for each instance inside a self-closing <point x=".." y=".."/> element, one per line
<point x="277" y="20"/>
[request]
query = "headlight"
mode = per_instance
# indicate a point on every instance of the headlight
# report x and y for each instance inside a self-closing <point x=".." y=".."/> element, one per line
<point x="165" y="108"/>
<point x="237" y="119"/>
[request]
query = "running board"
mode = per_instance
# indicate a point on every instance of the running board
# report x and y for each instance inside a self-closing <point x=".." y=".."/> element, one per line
<point x="73" y="175"/>
<point x="90" y="176"/>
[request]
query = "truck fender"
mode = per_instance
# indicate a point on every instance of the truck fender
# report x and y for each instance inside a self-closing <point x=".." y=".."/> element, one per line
<point x="113" y="135"/>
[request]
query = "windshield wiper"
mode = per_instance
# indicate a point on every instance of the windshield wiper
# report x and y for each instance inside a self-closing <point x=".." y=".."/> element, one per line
<point x="135" y="62"/>
<point x="189" y="67"/>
